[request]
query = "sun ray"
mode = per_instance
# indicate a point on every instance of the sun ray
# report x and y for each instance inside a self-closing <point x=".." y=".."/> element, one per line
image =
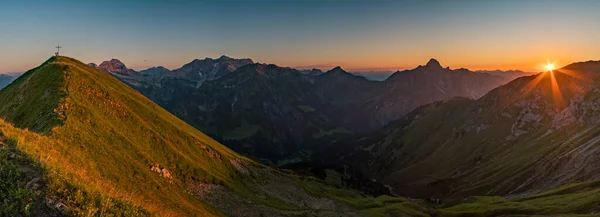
<point x="572" y="73"/>
<point x="532" y="84"/>
<point x="557" y="96"/>
<point x="552" y="73"/>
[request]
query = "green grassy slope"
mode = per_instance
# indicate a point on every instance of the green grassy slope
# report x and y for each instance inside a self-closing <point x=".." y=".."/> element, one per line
<point x="107" y="137"/>
<point x="34" y="97"/>
<point x="580" y="199"/>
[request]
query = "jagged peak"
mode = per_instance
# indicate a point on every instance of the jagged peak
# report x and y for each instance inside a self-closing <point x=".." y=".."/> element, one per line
<point x="433" y="63"/>
<point x="112" y="62"/>
<point x="224" y="57"/>
<point x="157" y="67"/>
<point x="337" y="70"/>
<point x="115" y="66"/>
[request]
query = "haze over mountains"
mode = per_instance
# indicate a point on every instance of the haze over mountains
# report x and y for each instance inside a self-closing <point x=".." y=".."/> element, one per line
<point x="283" y="115"/>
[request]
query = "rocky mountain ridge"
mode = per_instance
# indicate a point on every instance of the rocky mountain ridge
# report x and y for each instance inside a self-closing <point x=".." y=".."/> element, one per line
<point x="283" y="115"/>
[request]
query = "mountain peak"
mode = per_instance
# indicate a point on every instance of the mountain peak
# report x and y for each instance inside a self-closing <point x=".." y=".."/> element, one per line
<point x="337" y="69"/>
<point x="115" y="66"/>
<point x="433" y="63"/>
<point x="224" y="57"/>
<point x="156" y="70"/>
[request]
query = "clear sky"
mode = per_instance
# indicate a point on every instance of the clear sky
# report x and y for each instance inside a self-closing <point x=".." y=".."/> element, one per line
<point x="357" y="35"/>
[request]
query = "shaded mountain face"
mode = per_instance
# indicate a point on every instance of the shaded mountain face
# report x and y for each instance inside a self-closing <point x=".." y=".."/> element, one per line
<point x="531" y="134"/>
<point x="192" y="74"/>
<point x="209" y="69"/>
<point x="75" y="140"/>
<point x="264" y="111"/>
<point x="403" y="91"/>
<point x="406" y="90"/>
<point x="283" y="115"/>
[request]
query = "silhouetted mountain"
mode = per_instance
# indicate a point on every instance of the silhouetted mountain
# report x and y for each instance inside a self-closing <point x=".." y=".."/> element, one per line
<point x="313" y="72"/>
<point x="433" y="64"/>
<point x="408" y="89"/>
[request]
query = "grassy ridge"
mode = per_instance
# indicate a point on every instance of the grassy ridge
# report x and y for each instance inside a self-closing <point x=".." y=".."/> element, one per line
<point x="29" y="101"/>
<point x="110" y="137"/>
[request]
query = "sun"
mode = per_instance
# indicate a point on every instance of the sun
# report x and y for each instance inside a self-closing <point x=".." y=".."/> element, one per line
<point x="549" y="66"/>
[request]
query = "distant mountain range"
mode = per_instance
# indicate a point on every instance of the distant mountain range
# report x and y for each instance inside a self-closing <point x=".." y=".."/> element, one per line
<point x="283" y="115"/>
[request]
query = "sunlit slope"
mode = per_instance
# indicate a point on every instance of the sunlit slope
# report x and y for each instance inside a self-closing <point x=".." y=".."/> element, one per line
<point x="534" y="133"/>
<point x="97" y="132"/>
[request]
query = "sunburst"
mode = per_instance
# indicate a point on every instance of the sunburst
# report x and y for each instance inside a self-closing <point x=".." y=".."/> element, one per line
<point x="549" y="66"/>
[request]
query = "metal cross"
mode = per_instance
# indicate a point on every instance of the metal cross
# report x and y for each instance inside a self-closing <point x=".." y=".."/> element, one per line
<point x="58" y="47"/>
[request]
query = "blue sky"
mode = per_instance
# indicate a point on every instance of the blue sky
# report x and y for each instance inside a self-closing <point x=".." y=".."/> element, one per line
<point x="354" y="34"/>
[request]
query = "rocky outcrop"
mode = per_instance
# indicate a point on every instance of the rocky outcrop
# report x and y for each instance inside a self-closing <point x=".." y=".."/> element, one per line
<point x="162" y="172"/>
